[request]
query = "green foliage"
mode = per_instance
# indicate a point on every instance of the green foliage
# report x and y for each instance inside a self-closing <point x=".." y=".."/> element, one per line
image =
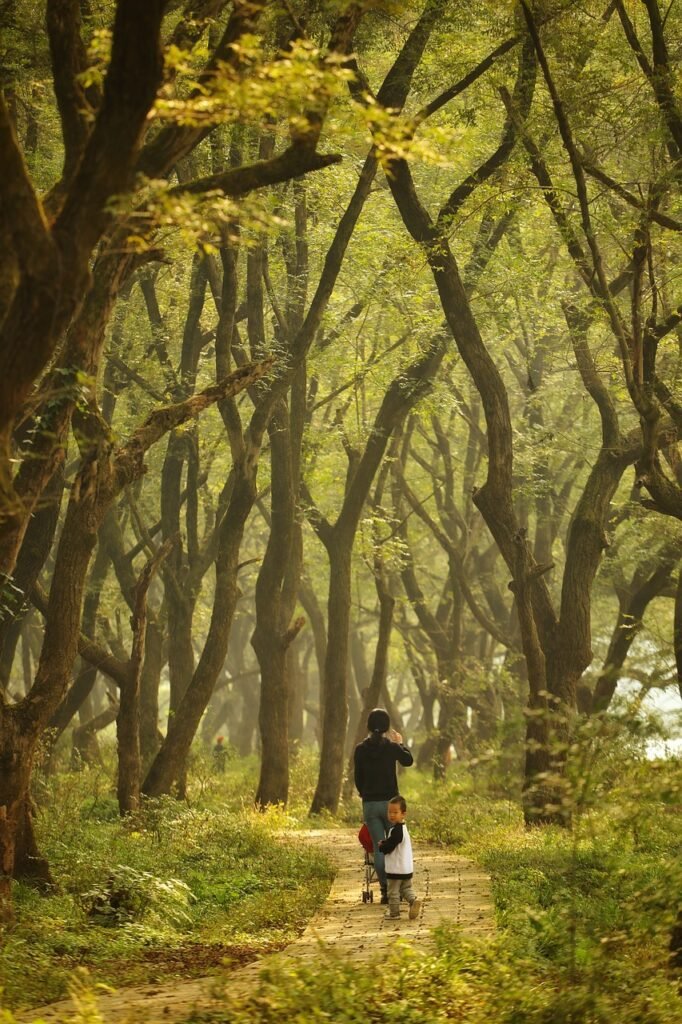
<point x="136" y="897"/>
<point x="129" y="894"/>
<point x="584" y="914"/>
<point x="464" y="980"/>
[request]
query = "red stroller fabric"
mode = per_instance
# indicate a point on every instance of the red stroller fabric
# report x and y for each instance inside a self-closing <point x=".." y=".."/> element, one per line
<point x="365" y="839"/>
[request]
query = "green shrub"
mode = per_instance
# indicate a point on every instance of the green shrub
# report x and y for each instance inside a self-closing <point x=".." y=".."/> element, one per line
<point x="128" y="894"/>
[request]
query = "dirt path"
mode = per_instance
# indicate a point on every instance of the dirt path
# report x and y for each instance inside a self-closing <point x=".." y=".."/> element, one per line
<point x="452" y="889"/>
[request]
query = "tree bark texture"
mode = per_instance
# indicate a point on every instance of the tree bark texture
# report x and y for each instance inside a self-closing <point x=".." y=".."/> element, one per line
<point x="276" y="589"/>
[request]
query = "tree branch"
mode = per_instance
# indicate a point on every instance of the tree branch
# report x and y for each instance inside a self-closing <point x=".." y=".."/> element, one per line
<point x="21" y="210"/>
<point x="130" y="88"/>
<point x="660" y="218"/>
<point x="68" y="60"/>
<point x="238" y="181"/>
<point x="99" y="657"/>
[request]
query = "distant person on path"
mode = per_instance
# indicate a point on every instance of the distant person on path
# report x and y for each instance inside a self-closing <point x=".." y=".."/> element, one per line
<point x="220" y="755"/>
<point x="376" y="780"/>
<point x="398" y="862"/>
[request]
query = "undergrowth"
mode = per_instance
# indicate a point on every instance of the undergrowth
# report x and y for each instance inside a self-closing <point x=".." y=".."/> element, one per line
<point x="176" y="890"/>
<point x="584" y="912"/>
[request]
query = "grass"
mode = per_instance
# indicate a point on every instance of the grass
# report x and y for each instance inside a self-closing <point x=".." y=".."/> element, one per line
<point x="177" y="892"/>
<point x="584" y="914"/>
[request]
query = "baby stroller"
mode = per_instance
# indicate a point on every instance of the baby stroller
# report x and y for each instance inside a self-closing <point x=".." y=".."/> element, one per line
<point x="365" y="840"/>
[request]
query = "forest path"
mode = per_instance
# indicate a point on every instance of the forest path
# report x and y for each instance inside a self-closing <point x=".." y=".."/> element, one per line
<point x="452" y="889"/>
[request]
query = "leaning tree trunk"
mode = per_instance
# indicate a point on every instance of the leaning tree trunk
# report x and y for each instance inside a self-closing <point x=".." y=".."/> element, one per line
<point x="632" y="605"/>
<point x="21" y="724"/>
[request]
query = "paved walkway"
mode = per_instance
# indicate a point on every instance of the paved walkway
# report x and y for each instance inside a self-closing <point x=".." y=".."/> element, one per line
<point x="452" y="889"/>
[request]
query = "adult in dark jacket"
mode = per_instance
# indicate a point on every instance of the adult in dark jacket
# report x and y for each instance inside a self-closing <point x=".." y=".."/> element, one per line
<point x="376" y="781"/>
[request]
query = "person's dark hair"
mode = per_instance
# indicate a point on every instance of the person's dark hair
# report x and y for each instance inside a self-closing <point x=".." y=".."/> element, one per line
<point x="400" y="801"/>
<point x="378" y="723"/>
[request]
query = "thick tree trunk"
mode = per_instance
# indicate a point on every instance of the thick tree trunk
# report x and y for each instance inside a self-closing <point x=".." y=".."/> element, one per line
<point x="37" y="541"/>
<point x="82" y="686"/>
<point x="273" y="722"/>
<point x="128" y="740"/>
<point x="276" y="590"/>
<point x="541" y="802"/>
<point x="11" y="635"/>
<point x="19" y="856"/>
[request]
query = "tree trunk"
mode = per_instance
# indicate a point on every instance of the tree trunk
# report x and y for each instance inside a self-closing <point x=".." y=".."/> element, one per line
<point x="335" y="714"/>
<point x="150" y="734"/>
<point x="168" y="763"/>
<point x="380" y="670"/>
<point x="276" y="590"/>
<point x="242" y="731"/>
<point x="19" y="856"/>
<point x="632" y="605"/>
<point x="128" y="718"/>
<point x="84" y="746"/>
<point x="311" y="607"/>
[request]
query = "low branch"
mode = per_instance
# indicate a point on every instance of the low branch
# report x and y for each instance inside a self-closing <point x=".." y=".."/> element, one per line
<point x="238" y="181"/>
<point x="96" y="655"/>
<point x="161" y="421"/>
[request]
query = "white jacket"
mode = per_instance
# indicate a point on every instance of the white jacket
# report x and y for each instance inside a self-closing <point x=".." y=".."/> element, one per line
<point x="397" y="851"/>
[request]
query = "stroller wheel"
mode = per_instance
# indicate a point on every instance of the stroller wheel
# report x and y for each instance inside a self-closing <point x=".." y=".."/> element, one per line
<point x="364" y="897"/>
<point x="371" y="897"/>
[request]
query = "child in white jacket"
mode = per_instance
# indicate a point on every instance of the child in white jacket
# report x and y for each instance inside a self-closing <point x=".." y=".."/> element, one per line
<point x="399" y="866"/>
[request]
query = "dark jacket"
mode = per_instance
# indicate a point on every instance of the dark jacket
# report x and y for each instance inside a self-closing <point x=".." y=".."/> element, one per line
<point x="375" y="775"/>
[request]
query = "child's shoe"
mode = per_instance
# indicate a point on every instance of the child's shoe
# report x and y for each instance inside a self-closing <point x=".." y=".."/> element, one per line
<point x="415" y="907"/>
<point x="388" y="916"/>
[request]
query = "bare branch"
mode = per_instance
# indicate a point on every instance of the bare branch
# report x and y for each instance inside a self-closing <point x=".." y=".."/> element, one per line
<point x="660" y="218"/>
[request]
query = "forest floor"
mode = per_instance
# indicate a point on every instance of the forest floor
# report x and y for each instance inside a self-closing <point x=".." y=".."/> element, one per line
<point x="453" y="891"/>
